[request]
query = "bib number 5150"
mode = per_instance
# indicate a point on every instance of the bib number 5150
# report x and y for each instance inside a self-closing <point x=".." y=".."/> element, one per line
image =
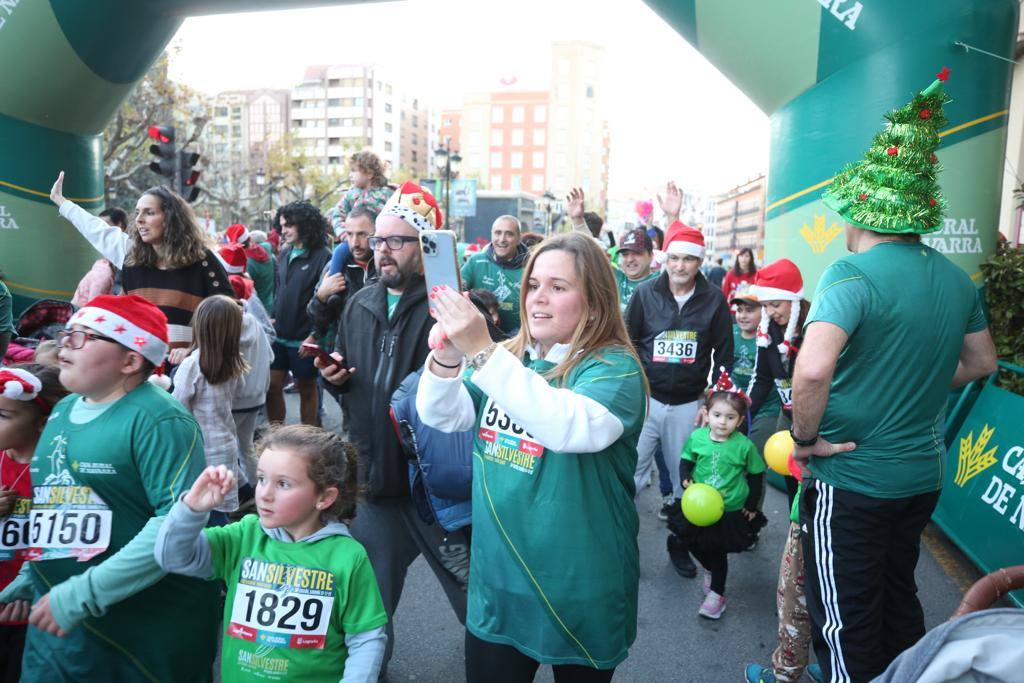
<point x="69" y="528"/>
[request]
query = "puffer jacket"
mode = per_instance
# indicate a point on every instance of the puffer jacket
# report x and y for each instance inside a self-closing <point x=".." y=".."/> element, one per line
<point x="440" y="464"/>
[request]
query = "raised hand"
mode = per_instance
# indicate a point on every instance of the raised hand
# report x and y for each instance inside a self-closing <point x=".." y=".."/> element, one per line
<point x="574" y="204"/>
<point x="672" y="202"/>
<point x="57" y="191"/>
<point x="209" y="489"/>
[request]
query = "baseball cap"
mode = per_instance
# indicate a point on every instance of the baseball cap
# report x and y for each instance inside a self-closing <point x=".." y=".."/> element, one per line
<point x="745" y="294"/>
<point x="636" y="240"/>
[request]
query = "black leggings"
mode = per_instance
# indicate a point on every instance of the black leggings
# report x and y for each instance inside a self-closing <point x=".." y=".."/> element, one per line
<point x="718" y="564"/>
<point x="491" y="663"/>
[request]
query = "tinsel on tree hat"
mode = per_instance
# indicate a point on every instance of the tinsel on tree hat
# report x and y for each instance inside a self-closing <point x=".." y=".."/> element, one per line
<point x="894" y="189"/>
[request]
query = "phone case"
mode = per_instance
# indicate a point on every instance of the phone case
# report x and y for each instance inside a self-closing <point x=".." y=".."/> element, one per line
<point x="440" y="259"/>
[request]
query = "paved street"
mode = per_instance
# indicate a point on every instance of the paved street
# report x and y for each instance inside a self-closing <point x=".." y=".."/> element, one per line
<point x="673" y="643"/>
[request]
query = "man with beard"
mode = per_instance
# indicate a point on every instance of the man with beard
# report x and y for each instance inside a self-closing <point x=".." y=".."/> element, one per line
<point x="382" y="338"/>
<point x="499" y="269"/>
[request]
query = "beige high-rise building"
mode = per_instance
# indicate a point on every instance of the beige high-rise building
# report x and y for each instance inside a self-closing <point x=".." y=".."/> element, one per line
<point x="740" y="219"/>
<point x="418" y="128"/>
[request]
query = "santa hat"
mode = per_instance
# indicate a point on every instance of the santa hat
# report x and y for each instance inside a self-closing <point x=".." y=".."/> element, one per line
<point x="682" y="239"/>
<point x="725" y="384"/>
<point x="779" y="281"/>
<point x="130" y="320"/>
<point x="233" y="258"/>
<point x="414" y="205"/>
<point x="243" y="286"/>
<point x="237" y="233"/>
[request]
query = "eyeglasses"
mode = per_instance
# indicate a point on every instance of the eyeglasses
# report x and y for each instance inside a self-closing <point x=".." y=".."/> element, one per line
<point x="75" y="339"/>
<point x="394" y="243"/>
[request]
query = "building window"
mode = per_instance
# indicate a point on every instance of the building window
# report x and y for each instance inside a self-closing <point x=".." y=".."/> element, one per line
<point x="538" y="160"/>
<point x="387" y="146"/>
<point x="539" y="137"/>
<point x="538" y="183"/>
<point x="415" y="139"/>
<point x="334" y="141"/>
<point x="223" y="111"/>
<point x="334" y="83"/>
<point x="497" y="115"/>
<point x="590" y="91"/>
<point x="515" y="182"/>
<point x="517" y="136"/>
<point x="516" y="160"/>
<point x="387" y="108"/>
<point x="414" y="156"/>
<point x="334" y="102"/>
<point x="497" y="136"/>
<point x="387" y="127"/>
<point x="518" y="114"/>
<point x="540" y="113"/>
<point x="497" y="181"/>
<point x="496" y="159"/>
<point x="415" y="120"/>
<point x="334" y="161"/>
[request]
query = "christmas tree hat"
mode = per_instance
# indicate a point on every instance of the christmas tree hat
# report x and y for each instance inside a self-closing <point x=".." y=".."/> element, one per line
<point x="894" y="188"/>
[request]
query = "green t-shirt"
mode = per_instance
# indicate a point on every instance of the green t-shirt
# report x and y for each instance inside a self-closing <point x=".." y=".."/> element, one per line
<point x="290" y="605"/>
<point x="906" y="309"/>
<point x="97" y="484"/>
<point x="745" y="354"/>
<point x="6" y="310"/>
<point x="295" y="253"/>
<point x="262" y="274"/>
<point x="724" y="465"/>
<point x="627" y="286"/>
<point x="480" y="272"/>
<point x="555" y="567"/>
<point x="393" y="300"/>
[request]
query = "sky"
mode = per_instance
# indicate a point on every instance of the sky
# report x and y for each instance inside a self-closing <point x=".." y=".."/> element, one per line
<point x="672" y="116"/>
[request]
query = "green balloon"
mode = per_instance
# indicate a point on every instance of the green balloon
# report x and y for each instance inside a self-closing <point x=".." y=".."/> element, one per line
<point x="702" y="504"/>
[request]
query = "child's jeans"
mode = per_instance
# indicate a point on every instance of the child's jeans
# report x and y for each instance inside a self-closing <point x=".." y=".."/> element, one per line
<point x="790" y="657"/>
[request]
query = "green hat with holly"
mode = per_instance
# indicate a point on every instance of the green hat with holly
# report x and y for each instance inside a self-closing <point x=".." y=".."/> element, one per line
<point x="894" y="188"/>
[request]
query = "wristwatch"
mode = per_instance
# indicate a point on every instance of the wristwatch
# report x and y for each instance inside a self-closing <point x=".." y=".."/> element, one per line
<point x="479" y="359"/>
<point x="803" y="443"/>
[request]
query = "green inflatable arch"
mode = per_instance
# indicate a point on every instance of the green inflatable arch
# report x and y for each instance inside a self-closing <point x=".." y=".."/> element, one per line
<point x="825" y="71"/>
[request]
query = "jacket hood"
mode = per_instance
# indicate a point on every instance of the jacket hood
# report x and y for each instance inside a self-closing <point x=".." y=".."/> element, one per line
<point x="332" y="528"/>
<point x="257" y="253"/>
<point x="517" y="261"/>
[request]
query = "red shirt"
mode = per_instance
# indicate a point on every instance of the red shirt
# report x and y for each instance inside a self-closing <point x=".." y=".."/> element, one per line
<point x="732" y="281"/>
<point x="14" y="475"/>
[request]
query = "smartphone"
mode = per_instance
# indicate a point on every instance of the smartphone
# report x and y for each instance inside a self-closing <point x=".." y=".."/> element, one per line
<point x="440" y="260"/>
<point x="321" y="354"/>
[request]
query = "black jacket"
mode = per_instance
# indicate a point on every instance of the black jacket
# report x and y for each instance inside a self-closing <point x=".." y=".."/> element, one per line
<point x="383" y="352"/>
<point x="324" y="315"/>
<point x="295" y="284"/>
<point x="654" y="310"/>
<point x="771" y="373"/>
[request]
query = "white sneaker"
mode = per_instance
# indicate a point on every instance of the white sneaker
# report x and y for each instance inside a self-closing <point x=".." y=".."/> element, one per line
<point x="713" y="606"/>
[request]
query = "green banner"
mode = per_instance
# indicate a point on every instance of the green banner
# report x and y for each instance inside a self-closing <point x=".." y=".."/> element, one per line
<point x="982" y="503"/>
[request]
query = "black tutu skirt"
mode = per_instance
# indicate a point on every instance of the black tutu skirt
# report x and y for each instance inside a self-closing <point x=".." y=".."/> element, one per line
<point x="733" y="533"/>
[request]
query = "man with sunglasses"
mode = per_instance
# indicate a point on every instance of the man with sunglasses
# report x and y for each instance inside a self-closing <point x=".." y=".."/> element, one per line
<point x="382" y="338"/>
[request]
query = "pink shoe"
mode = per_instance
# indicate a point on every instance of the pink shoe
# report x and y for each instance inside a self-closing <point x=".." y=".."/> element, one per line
<point x="707" y="583"/>
<point x="713" y="606"/>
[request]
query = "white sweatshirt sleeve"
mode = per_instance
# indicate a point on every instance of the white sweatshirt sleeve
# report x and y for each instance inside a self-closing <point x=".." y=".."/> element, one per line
<point x="558" y="419"/>
<point x="109" y="241"/>
<point x="444" y="403"/>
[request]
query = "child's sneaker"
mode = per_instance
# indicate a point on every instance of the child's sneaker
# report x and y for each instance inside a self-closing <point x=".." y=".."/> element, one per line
<point x="707" y="583"/>
<point x="713" y="606"/>
<point x="755" y="673"/>
<point x="814" y="671"/>
<point x="666" y="507"/>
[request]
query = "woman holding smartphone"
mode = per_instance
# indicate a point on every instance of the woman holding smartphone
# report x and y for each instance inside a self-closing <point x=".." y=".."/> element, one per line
<point x="557" y="412"/>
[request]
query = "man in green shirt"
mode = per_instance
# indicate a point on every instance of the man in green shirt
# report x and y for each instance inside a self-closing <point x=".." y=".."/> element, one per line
<point x="499" y="269"/>
<point x="893" y="327"/>
<point x="634" y="256"/>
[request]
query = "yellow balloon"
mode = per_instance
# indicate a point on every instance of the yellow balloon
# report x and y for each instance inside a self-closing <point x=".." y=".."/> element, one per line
<point x="777" y="450"/>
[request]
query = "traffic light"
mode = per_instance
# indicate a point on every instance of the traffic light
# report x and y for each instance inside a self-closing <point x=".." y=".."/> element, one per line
<point x="189" y="176"/>
<point x="165" y="151"/>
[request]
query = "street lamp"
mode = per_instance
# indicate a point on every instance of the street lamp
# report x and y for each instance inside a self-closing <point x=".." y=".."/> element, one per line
<point x="548" y="205"/>
<point x="261" y="180"/>
<point x="447" y="163"/>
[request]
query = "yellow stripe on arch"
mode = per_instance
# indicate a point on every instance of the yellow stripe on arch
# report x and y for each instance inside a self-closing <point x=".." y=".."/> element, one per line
<point x="19" y="188"/>
<point x="948" y="131"/>
<point x="36" y="290"/>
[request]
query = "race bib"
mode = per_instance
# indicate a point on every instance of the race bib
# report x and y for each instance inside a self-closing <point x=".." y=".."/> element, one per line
<point x="282" y="605"/>
<point x="675" y="346"/>
<point x="15" y="530"/>
<point x="506" y="441"/>
<point x="65" y="521"/>
<point x="785" y="389"/>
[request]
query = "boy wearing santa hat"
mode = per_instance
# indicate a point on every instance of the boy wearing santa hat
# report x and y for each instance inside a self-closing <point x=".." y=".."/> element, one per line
<point x="112" y="459"/>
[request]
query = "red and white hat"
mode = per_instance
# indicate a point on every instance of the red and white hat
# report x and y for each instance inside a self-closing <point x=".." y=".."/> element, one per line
<point x="131" y="321"/>
<point x="232" y="257"/>
<point x="780" y="280"/>
<point x="243" y="286"/>
<point x="237" y="233"/>
<point x="415" y="205"/>
<point x="682" y="239"/>
<point x="19" y="385"/>
<point x="726" y="384"/>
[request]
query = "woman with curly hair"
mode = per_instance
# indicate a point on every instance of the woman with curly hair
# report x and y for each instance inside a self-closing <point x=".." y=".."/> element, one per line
<point x="164" y="257"/>
<point x="303" y="256"/>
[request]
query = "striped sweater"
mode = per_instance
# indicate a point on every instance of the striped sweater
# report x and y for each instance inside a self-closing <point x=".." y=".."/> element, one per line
<point x="176" y="292"/>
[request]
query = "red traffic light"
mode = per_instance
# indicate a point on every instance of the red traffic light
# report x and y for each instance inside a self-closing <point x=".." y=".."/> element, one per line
<point x="162" y="133"/>
<point x="191" y="178"/>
